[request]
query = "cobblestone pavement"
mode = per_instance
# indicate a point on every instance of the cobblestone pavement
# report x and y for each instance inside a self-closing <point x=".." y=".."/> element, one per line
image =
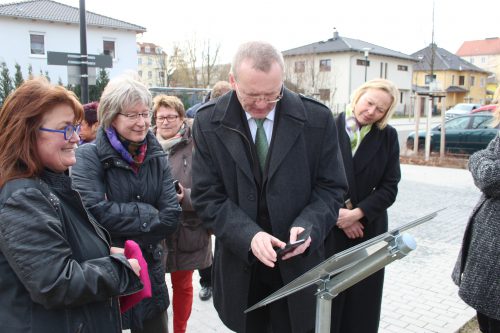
<point x="419" y="295"/>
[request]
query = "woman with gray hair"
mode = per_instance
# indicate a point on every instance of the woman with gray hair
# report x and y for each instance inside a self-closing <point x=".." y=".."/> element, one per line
<point x="125" y="181"/>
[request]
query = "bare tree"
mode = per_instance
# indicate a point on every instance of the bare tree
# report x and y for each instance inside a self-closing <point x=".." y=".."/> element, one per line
<point x="191" y="51"/>
<point x="221" y="72"/>
<point x="196" y="66"/>
<point x="208" y="61"/>
<point x="181" y="75"/>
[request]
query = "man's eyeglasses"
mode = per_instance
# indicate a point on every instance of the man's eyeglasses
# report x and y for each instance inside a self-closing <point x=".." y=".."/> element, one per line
<point x="68" y="131"/>
<point x="254" y="99"/>
<point x="169" y="119"/>
<point x="135" y="116"/>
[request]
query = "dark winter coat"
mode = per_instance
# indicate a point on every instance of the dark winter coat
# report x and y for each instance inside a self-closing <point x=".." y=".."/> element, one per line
<point x="141" y="206"/>
<point x="477" y="271"/>
<point x="303" y="185"/>
<point x="190" y="247"/>
<point x="373" y="174"/>
<point x="56" y="273"/>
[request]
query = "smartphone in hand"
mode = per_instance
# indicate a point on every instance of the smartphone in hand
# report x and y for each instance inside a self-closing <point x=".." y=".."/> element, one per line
<point x="290" y="246"/>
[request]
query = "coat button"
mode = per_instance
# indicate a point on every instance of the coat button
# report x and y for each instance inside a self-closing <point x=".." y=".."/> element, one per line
<point x="251" y="197"/>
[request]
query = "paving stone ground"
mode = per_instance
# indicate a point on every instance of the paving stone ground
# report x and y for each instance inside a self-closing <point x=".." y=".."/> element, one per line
<point x="419" y="295"/>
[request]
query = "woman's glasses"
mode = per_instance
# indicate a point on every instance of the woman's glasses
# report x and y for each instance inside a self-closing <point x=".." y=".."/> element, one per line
<point x="135" y="116"/>
<point x="169" y="119"/>
<point x="68" y="131"/>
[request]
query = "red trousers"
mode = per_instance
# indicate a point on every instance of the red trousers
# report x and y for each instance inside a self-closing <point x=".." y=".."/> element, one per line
<point x="182" y="289"/>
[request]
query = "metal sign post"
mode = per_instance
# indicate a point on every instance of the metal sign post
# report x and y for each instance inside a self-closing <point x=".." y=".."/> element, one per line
<point x="347" y="268"/>
<point x="75" y="59"/>
<point x="81" y="68"/>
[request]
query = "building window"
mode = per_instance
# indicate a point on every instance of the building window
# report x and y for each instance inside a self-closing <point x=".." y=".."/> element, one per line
<point x="37" y="44"/>
<point x="161" y="74"/>
<point x="429" y="78"/>
<point x="325" y="65"/>
<point x="139" y="61"/>
<point x="362" y="62"/>
<point x="324" y="94"/>
<point x="150" y="61"/>
<point x="483" y="60"/>
<point x="109" y="48"/>
<point x="453" y="80"/>
<point x="147" y="49"/>
<point x="300" y="66"/>
<point x="472" y="81"/>
<point x="461" y="80"/>
<point x="471" y="60"/>
<point x="403" y="68"/>
<point x="482" y="82"/>
<point x="150" y="75"/>
<point x="140" y="74"/>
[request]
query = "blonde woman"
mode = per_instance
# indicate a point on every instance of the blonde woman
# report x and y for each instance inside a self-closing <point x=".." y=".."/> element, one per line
<point x="370" y="150"/>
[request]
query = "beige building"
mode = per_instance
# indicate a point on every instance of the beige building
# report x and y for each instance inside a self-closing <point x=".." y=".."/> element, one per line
<point x="484" y="54"/>
<point x="459" y="80"/>
<point x="152" y="65"/>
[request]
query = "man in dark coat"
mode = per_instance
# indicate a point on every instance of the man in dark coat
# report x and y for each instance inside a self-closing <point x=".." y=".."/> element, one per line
<point x="266" y="167"/>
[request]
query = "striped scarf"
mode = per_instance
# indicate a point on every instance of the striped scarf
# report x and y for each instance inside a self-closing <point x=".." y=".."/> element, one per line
<point x="133" y="153"/>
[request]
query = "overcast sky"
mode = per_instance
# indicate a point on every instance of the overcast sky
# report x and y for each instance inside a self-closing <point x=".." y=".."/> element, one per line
<point x="401" y="25"/>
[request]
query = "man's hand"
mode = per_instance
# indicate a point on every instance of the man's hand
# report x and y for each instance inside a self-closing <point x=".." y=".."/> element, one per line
<point x="262" y="247"/>
<point x="294" y="232"/>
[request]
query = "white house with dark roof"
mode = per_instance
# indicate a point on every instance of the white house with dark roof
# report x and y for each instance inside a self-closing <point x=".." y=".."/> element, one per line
<point x="331" y="70"/>
<point x="29" y="29"/>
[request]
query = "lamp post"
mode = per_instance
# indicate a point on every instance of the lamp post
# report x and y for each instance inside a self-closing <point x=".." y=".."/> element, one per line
<point x="366" y="51"/>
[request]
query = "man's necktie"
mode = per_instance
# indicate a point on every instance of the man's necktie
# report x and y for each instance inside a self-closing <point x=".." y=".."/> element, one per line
<point x="261" y="144"/>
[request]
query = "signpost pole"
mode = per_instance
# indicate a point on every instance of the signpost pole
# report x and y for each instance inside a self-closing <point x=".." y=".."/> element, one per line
<point x="84" y="57"/>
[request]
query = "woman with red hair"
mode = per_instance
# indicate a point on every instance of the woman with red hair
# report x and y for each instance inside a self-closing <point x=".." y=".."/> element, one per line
<point x="58" y="272"/>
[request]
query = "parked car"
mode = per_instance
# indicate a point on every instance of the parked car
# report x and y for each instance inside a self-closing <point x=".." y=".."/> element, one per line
<point x="485" y="108"/>
<point x="463" y="135"/>
<point x="461" y="109"/>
